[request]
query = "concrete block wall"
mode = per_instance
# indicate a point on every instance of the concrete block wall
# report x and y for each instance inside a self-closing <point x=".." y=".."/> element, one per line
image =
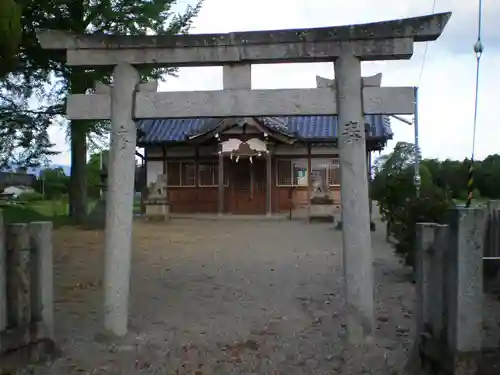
<point x="449" y="286"/>
<point x="26" y="294"/>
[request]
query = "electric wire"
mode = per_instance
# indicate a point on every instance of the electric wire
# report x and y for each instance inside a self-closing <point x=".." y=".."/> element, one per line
<point x="478" y="49"/>
<point x="424" y="58"/>
<point x="418" y="154"/>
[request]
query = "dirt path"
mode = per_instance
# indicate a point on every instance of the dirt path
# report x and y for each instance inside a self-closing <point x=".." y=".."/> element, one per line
<point x="223" y="298"/>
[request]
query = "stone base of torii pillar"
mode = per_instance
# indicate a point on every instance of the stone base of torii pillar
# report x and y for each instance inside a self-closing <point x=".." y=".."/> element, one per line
<point x="338" y="225"/>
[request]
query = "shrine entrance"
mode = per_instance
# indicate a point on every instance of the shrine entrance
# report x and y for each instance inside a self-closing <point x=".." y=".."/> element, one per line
<point x="248" y="192"/>
<point x="126" y="101"/>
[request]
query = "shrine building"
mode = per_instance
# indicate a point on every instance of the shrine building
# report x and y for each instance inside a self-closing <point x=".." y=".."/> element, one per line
<point x="268" y="165"/>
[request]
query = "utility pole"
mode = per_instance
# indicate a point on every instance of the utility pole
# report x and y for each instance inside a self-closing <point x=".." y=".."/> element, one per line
<point x="100" y="171"/>
<point x="414" y="122"/>
<point x="43" y="184"/>
<point x="417" y="179"/>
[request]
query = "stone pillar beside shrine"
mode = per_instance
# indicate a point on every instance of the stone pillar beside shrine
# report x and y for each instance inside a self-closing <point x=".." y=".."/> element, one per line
<point x="156" y="203"/>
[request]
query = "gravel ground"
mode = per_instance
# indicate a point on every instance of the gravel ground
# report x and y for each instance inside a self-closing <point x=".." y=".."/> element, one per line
<point x="224" y="298"/>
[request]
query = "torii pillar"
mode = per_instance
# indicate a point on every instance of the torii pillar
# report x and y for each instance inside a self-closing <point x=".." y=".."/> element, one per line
<point x="370" y="81"/>
<point x="120" y="192"/>
<point x="356" y="236"/>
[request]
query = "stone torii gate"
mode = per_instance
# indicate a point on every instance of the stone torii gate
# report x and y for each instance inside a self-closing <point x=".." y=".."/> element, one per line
<point x="346" y="46"/>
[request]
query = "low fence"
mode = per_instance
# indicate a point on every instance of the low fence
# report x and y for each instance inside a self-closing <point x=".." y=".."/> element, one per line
<point x="449" y="286"/>
<point x="491" y="239"/>
<point x="492" y="244"/>
<point x="26" y="293"/>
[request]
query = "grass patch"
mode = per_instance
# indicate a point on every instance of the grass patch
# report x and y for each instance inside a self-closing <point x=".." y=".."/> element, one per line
<point x="26" y="214"/>
<point x="55" y="211"/>
<point x="50" y="208"/>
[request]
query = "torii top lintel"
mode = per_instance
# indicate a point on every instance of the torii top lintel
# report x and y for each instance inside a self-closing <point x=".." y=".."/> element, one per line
<point x="372" y="41"/>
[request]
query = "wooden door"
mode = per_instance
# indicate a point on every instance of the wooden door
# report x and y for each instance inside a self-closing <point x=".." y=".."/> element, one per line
<point x="248" y="188"/>
<point x="259" y="185"/>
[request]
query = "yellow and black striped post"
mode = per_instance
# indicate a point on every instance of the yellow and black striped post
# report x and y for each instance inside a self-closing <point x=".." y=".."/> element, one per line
<point x="470" y="184"/>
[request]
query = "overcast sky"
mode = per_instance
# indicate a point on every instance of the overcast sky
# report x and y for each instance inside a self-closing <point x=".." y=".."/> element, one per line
<point x="446" y="94"/>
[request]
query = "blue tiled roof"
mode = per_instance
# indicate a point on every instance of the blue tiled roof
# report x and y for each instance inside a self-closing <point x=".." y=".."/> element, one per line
<point x="306" y="127"/>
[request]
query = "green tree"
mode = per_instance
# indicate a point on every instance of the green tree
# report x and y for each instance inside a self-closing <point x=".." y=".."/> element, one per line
<point x="487" y="176"/>
<point x="133" y="17"/>
<point x="452" y="175"/>
<point x="53" y="183"/>
<point x="433" y="166"/>
<point x="393" y="187"/>
<point x="94" y="173"/>
<point x="23" y="130"/>
<point x="10" y="34"/>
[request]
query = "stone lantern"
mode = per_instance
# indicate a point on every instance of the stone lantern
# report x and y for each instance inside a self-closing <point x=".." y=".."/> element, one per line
<point x="157" y="204"/>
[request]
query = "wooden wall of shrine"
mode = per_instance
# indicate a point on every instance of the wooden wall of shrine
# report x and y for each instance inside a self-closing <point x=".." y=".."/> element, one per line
<point x="193" y="179"/>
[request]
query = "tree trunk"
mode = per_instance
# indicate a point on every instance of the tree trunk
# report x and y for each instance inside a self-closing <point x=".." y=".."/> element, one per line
<point x="78" y="178"/>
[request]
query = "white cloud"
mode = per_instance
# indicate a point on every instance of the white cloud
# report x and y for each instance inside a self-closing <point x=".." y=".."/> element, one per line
<point x="58" y="137"/>
<point x="447" y="85"/>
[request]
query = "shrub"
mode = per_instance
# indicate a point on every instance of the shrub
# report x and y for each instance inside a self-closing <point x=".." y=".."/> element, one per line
<point x="30" y="197"/>
<point x="394" y="189"/>
<point x="401" y="209"/>
<point x="432" y="206"/>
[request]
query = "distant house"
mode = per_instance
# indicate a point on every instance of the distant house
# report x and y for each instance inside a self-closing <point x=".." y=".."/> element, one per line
<point x="16" y="179"/>
<point x="16" y="191"/>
